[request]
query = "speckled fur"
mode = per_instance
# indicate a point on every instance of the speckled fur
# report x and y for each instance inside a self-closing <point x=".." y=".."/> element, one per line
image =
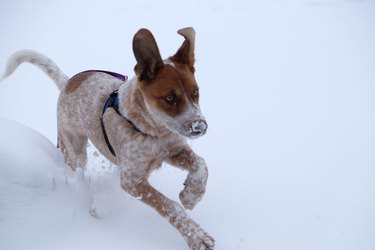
<point x="80" y="105"/>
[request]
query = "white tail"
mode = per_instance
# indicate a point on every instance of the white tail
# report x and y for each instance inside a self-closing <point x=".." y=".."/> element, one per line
<point x="40" y="60"/>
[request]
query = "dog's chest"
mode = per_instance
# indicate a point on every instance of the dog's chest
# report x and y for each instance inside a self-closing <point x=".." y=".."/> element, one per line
<point x="146" y="153"/>
<point x="143" y="154"/>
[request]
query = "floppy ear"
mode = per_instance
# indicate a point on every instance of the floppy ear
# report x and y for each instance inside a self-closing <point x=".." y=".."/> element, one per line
<point x="147" y="54"/>
<point x="185" y="53"/>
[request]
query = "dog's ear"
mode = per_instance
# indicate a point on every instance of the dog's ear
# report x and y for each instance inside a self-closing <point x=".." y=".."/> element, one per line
<point x="147" y="54"/>
<point x="185" y="53"/>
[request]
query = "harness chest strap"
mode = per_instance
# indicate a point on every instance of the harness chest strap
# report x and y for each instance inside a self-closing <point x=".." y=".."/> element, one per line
<point x="109" y="103"/>
<point x="113" y="101"/>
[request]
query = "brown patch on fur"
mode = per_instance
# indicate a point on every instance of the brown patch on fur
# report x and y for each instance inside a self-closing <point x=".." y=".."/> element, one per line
<point x="176" y="81"/>
<point x="186" y="74"/>
<point x="76" y="81"/>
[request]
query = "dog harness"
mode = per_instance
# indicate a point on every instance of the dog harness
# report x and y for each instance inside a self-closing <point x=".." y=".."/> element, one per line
<point x="113" y="101"/>
<point x="114" y="74"/>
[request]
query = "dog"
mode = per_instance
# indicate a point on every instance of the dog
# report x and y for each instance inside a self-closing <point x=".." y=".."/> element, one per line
<point x="136" y="124"/>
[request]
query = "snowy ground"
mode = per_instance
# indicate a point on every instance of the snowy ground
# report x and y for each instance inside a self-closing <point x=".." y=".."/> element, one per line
<point x="286" y="86"/>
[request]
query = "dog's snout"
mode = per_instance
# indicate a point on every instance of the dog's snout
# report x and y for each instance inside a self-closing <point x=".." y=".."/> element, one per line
<point x="199" y="127"/>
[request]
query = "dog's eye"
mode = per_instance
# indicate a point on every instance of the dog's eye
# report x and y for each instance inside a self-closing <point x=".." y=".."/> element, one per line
<point x="171" y="99"/>
<point x="196" y="92"/>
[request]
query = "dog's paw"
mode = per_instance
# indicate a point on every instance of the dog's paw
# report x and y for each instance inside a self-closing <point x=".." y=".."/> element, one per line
<point x="206" y="242"/>
<point x="200" y="240"/>
<point x="195" y="187"/>
<point x="191" y="195"/>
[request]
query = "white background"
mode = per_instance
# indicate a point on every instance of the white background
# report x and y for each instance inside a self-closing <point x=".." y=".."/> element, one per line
<point x="287" y="87"/>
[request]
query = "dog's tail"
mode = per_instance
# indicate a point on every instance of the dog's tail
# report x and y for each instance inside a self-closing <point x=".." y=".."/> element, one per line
<point x="40" y="60"/>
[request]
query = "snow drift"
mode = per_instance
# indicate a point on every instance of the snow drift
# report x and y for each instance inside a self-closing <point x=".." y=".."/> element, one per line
<point x="44" y="205"/>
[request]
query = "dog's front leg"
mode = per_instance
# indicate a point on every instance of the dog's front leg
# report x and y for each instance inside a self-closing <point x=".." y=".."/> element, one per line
<point x="195" y="183"/>
<point x="194" y="235"/>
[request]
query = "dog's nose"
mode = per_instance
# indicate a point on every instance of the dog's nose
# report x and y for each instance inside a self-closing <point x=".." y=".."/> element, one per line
<point x="199" y="127"/>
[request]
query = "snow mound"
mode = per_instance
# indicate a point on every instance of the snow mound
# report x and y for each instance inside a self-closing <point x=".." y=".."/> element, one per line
<point x="45" y="205"/>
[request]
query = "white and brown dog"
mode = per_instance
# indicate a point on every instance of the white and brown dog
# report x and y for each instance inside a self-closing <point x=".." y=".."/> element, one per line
<point x="137" y="125"/>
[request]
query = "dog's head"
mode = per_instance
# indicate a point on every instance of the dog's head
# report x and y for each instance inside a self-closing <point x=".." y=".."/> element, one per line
<point x="168" y="86"/>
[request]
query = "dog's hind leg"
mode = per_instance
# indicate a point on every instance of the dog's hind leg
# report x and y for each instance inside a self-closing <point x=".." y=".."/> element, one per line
<point x="73" y="146"/>
<point x="195" y="236"/>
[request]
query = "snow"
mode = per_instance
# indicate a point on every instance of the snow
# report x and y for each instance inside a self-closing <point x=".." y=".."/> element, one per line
<point x="287" y="88"/>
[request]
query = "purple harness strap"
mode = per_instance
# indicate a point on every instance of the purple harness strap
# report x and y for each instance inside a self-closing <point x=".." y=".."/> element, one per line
<point x="123" y="78"/>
